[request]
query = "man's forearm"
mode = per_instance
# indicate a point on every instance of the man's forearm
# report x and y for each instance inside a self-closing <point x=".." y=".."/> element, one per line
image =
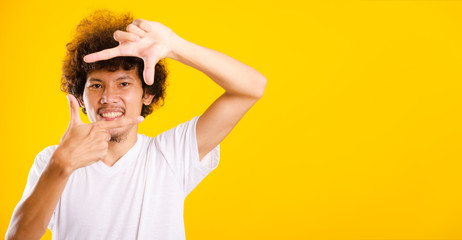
<point x="232" y="75"/>
<point x="31" y="216"/>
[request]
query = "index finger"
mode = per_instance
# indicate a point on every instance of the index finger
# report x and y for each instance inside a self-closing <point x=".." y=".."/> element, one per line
<point x="119" y="122"/>
<point x="102" y="55"/>
<point x="143" y="24"/>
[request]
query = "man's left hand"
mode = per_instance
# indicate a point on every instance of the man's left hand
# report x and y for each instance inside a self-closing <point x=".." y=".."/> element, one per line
<point x="150" y="41"/>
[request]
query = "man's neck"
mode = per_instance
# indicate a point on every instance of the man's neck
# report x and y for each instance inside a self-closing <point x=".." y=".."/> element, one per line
<point x="117" y="150"/>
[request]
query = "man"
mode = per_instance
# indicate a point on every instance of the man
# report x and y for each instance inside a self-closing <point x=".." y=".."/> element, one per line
<point x="106" y="181"/>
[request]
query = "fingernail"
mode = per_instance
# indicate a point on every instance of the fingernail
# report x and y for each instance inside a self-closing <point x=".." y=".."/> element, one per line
<point x="140" y="118"/>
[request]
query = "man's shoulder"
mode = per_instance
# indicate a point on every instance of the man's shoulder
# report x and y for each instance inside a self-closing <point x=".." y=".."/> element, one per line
<point x="49" y="150"/>
<point x="167" y="139"/>
<point x="43" y="158"/>
<point x="177" y="129"/>
<point x="46" y="153"/>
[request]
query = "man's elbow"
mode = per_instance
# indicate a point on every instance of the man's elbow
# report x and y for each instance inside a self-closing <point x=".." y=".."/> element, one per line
<point x="10" y="235"/>
<point x="260" y="85"/>
<point x="14" y="234"/>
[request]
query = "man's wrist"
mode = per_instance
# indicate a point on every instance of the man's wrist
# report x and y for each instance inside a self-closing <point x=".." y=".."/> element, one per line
<point x="58" y="168"/>
<point x="176" y="47"/>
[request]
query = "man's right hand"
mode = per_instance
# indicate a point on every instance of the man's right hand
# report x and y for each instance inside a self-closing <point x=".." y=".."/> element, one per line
<point x="81" y="145"/>
<point x="84" y="144"/>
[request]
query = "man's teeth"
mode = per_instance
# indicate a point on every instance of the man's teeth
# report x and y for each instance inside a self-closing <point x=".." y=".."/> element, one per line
<point x="111" y="114"/>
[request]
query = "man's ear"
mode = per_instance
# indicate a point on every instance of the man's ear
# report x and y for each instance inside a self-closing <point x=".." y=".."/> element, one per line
<point x="147" y="98"/>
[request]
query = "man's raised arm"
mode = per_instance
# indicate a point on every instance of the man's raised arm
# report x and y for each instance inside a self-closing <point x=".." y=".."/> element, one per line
<point x="243" y="85"/>
<point x="152" y="41"/>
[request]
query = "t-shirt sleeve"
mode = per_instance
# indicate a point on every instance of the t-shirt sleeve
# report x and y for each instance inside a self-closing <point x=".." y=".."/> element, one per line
<point x="39" y="165"/>
<point x="179" y="147"/>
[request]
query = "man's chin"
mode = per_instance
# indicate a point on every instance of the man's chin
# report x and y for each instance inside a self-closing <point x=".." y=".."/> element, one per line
<point x="117" y="136"/>
<point x="117" y="139"/>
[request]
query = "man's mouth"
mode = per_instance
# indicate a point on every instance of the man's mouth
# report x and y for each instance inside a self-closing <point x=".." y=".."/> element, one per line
<point x="110" y="116"/>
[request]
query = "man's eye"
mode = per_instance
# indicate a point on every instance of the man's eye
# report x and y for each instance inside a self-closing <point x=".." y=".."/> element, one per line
<point x="125" y="84"/>
<point x="95" y="85"/>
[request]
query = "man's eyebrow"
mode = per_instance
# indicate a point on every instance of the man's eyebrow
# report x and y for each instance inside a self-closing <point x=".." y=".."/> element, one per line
<point x="92" y="79"/>
<point x="124" y="78"/>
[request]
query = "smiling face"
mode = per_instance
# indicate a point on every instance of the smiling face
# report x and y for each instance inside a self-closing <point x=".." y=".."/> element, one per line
<point x="113" y="95"/>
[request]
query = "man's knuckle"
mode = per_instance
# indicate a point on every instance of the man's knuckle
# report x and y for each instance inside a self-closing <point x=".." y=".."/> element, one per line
<point x="98" y="137"/>
<point x="92" y="147"/>
<point x="118" y="33"/>
<point x="100" y="145"/>
<point x="94" y="130"/>
<point x="103" y="145"/>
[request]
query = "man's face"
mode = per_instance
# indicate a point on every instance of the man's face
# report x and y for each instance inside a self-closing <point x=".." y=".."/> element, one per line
<point x="113" y="95"/>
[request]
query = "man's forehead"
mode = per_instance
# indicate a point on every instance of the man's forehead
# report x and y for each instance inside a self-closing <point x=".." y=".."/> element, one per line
<point x="107" y="75"/>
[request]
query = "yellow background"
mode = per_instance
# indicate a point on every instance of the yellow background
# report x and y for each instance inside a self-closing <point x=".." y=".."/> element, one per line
<point x="357" y="136"/>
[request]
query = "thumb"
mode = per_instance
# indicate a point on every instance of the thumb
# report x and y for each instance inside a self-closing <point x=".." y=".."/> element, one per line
<point x="74" y="110"/>
<point x="149" y="70"/>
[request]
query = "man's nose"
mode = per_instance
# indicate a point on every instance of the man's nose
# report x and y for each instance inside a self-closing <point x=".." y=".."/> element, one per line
<point x="110" y="95"/>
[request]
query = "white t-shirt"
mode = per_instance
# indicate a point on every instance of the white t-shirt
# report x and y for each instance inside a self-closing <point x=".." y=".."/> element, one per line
<point x="140" y="197"/>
